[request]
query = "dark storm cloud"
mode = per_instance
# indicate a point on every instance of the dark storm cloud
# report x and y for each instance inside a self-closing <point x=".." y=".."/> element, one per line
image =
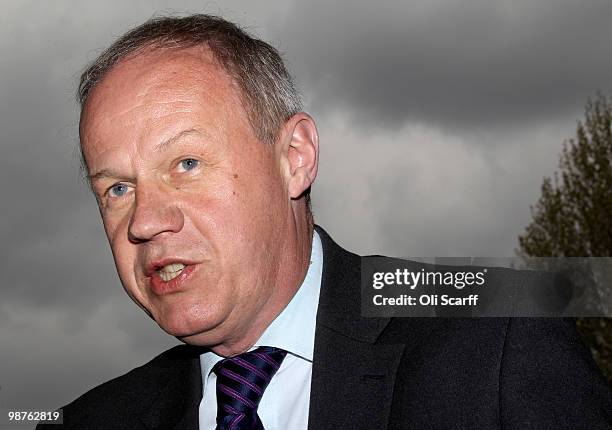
<point x="451" y="63"/>
<point x="418" y="191"/>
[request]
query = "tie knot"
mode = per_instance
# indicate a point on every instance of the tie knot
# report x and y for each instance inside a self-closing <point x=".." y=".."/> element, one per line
<point x="241" y="381"/>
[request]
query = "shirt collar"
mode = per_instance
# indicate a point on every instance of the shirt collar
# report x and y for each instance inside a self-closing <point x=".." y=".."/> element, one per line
<point x="294" y="328"/>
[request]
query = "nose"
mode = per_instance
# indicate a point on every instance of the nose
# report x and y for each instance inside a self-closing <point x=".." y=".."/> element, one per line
<point x="154" y="213"/>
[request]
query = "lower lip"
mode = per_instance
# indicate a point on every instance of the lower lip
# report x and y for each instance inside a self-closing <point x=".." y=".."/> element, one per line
<point x="161" y="287"/>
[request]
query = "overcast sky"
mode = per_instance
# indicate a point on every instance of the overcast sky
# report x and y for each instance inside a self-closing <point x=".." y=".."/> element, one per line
<point x="437" y="121"/>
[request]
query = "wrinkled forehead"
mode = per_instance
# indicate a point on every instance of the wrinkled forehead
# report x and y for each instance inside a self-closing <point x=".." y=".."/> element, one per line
<point x="154" y="80"/>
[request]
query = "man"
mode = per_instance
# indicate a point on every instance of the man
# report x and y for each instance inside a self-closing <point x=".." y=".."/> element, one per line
<point x="201" y="161"/>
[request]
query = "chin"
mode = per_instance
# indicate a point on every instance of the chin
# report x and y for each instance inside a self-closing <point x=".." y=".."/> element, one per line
<point x="189" y="322"/>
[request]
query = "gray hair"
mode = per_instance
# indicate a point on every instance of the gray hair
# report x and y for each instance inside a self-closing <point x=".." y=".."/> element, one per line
<point x="267" y="88"/>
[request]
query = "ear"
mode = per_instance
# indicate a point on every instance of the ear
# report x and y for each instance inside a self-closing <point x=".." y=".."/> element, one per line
<point x="299" y="146"/>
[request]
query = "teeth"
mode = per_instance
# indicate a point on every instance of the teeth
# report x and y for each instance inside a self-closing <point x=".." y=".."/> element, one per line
<point x="175" y="267"/>
<point x="170" y="271"/>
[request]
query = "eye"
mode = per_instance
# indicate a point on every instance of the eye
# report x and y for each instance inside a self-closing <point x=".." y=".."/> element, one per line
<point x="118" y="190"/>
<point x="189" y="164"/>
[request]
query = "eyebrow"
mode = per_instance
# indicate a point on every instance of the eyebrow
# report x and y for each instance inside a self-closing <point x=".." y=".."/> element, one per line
<point x="162" y="146"/>
<point x="104" y="173"/>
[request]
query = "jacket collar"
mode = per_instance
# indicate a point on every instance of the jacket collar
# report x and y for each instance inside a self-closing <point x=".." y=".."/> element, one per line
<point x="353" y="376"/>
<point x="340" y="298"/>
<point x="176" y="405"/>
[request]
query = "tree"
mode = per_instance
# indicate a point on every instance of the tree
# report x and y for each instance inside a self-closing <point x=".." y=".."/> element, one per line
<point x="573" y="217"/>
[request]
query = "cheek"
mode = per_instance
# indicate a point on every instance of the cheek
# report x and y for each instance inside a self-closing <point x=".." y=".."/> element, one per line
<point x="115" y="227"/>
<point x="124" y="253"/>
<point x="125" y="269"/>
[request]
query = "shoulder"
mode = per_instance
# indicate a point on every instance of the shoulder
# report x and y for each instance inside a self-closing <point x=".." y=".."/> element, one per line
<point x="546" y="367"/>
<point x="515" y="343"/>
<point x="134" y="383"/>
<point x="535" y="372"/>
<point x="118" y="403"/>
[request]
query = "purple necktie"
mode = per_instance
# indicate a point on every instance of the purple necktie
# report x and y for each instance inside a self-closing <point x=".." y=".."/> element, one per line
<point x="241" y="381"/>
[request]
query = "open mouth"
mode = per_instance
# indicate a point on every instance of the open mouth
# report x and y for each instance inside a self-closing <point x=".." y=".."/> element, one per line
<point x="170" y="271"/>
<point x="169" y="275"/>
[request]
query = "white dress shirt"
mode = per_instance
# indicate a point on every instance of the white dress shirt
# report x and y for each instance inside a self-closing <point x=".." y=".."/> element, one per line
<point x="284" y="404"/>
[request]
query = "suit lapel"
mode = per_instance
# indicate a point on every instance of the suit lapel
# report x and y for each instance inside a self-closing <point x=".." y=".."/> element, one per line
<point x="353" y="377"/>
<point x="176" y="405"/>
<point x="352" y="382"/>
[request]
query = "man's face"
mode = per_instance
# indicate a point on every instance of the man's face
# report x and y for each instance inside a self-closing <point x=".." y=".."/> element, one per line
<point x="193" y="204"/>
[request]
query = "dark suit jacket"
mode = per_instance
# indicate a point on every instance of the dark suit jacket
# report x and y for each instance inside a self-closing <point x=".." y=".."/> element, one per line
<point x="388" y="373"/>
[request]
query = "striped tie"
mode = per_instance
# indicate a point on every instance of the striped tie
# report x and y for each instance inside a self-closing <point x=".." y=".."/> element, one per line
<point x="241" y="381"/>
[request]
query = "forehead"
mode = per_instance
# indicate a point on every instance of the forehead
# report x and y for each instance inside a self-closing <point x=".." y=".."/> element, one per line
<point x="153" y="85"/>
